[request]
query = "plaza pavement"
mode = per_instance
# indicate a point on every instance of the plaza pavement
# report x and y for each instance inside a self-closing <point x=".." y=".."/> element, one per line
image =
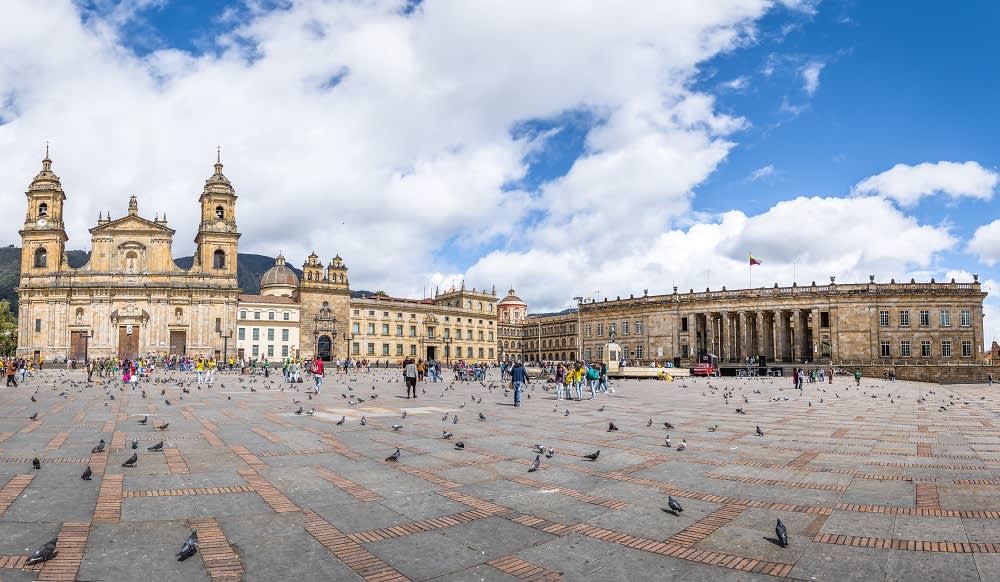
<point x="884" y="488"/>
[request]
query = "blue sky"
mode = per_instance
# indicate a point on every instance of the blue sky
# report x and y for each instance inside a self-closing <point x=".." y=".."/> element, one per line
<point x="609" y="151"/>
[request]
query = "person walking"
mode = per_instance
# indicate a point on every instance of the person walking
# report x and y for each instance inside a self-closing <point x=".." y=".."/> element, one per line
<point x="11" y="370"/>
<point x="318" y="372"/>
<point x="857" y="377"/>
<point x="518" y="378"/>
<point x="410" y="377"/>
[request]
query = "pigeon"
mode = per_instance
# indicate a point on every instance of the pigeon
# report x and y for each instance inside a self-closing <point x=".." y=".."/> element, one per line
<point x="156" y="448"/>
<point x="86" y="474"/>
<point x="404" y="414"/>
<point x="541" y="448"/>
<point x="446" y="435"/>
<point x="393" y="457"/>
<point x="364" y="421"/>
<point x="135" y="444"/>
<point x="782" y="534"/>
<point x="144" y="420"/>
<point x="131" y="460"/>
<point x="455" y="420"/>
<point x="310" y="411"/>
<point x="612" y="427"/>
<point x="672" y="504"/>
<point x="33" y="399"/>
<point x="460" y="445"/>
<point x="341" y="421"/>
<point x="189" y="548"/>
<point x="667" y="425"/>
<point x="650" y="423"/>
<point x="33" y="416"/>
<point x="601" y="409"/>
<point x="713" y="428"/>
<point x="482" y="416"/>
<point x="445" y="417"/>
<point x="37" y="464"/>
<point x="549" y="454"/>
<point x="99" y="447"/>
<point x="44" y="553"/>
<point x="759" y="432"/>
<point x="163" y="426"/>
<point x="299" y="411"/>
<point x="535" y="464"/>
<point x="567" y="412"/>
<point x="396" y="427"/>
<point x="683" y="445"/>
<point x="593" y="456"/>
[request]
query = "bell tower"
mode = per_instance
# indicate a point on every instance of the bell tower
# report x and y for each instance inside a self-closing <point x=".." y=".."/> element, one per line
<point x="217" y="237"/>
<point x="43" y="238"/>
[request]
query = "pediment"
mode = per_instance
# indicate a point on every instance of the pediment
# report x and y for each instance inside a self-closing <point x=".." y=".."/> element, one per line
<point x="131" y="224"/>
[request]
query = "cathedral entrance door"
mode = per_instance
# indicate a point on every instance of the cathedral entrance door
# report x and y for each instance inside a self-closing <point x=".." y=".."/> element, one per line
<point x="323" y="345"/>
<point x="77" y="346"/>
<point x="178" y="342"/>
<point x="431" y="352"/>
<point x="128" y="341"/>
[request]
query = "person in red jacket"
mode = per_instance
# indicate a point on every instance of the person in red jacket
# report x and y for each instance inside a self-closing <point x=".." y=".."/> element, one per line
<point x="318" y="370"/>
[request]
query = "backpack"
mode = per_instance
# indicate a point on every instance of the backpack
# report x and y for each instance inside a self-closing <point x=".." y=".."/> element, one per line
<point x="591" y="374"/>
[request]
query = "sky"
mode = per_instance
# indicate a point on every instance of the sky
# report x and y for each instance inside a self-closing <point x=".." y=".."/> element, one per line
<point x="561" y="148"/>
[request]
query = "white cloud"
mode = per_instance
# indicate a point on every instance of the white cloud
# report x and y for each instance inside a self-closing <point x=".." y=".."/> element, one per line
<point x="761" y="173"/>
<point x="985" y="243"/>
<point x="810" y="76"/>
<point x="908" y="184"/>
<point x="737" y="84"/>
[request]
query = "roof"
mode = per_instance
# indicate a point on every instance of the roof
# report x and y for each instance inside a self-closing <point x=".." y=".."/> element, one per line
<point x="279" y="275"/>
<point x="265" y="299"/>
<point x="512" y="299"/>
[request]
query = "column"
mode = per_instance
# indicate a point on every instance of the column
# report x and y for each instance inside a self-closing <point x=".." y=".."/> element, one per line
<point x="741" y="340"/>
<point x="780" y="335"/>
<point x="816" y="335"/>
<point x="710" y="333"/>
<point x="726" y="346"/>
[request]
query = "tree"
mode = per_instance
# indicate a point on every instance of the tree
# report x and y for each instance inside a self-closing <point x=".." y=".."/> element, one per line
<point x="8" y="329"/>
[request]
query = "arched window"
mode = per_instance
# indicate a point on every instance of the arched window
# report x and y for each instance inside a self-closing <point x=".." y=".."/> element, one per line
<point x="220" y="213"/>
<point x="43" y="210"/>
<point x="219" y="259"/>
<point x="41" y="258"/>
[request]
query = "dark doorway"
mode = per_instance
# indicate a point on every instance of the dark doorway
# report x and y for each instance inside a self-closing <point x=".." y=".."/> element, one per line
<point x="128" y="341"/>
<point x="323" y="346"/>
<point x="178" y="342"/>
<point x="431" y="353"/>
<point x="78" y="346"/>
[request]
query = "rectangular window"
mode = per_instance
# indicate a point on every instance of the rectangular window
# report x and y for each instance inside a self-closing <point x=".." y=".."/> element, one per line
<point x="399" y="349"/>
<point x="966" y="349"/>
<point x="371" y="313"/>
<point x="904" y="319"/>
<point x="218" y="325"/>
<point x="241" y="333"/>
<point x="371" y="349"/>
<point x="385" y="314"/>
<point x="447" y="333"/>
<point x="638" y="352"/>
<point x="413" y="331"/>
<point x="270" y="351"/>
<point x="385" y="329"/>
<point x="413" y="349"/>
<point x="481" y="335"/>
<point x="284" y="335"/>
<point x="270" y="315"/>
<point x="586" y="330"/>
<point x="286" y="316"/>
<point x="945" y="319"/>
<point x="468" y="351"/>
<point x="925" y="318"/>
<point x="883" y="318"/>
<point x="684" y="350"/>
<point x="356" y="328"/>
<point x="925" y="348"/>
<point x="491" y="336"/>
<point x="357" y="312"/>
<point x="945" y="348"/>
<point x="256" y="315"/>
<point x="385" y="349"/>
<point x="356" y="348"/>
<point x="243" y="314"/>
<point x="284" y="351"/>
<point x="491" y="353"/>
<point x="638" y="328"/>
<point x="399" y="331"/>
<point x="256" y="333"/>
<point x="684" y="324"/>
<point x="468" y="334"/>
<point x="884" y="349"/>
<point x="430" y="332"/>
<point x="904" y="349"/>
<point x="371" y="329"/>
<point x="481" y="353"/>
<point x="824" y="319"/>
<point x="256" y="350"/>
<point x="624" y="328"/>
<point x="587" y="352"/>
<point x="600" y="330"/>
<point x="399" y="315"/>
<point x="965" y="318"/>
<point x="270" y="334"/>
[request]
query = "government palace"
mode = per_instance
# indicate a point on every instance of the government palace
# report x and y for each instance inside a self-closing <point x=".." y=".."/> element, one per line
<point x="131" y="298"/>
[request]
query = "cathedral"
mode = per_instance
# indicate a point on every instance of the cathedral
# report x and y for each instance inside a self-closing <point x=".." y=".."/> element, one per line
<point x="130" y="298"/>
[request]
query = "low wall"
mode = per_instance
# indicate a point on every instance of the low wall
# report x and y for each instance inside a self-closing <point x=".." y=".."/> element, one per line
<point x="936" y="374"/>
<point x="647" y="372"/>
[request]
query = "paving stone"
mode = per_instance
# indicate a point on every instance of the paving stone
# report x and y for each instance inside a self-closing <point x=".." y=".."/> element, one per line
<point x="829" y="562"/>
<point x="930" y="567"/>
<point x="494" y="537"/>
<point x="116" y="551"/>
<point x="419" y="556"/>
<point x="946" y="529"/>
<point x="859" y="524"/>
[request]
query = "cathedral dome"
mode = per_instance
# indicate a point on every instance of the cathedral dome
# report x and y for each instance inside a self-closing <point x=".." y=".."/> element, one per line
<point x="512" y="300"/>
<point x="279" y="278"/>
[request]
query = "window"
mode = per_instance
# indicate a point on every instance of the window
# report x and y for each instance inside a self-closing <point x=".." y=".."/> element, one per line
<point x="468" y="334"/>
<point x="447" y="333"/>
<point x="371" y="329"/>
<point x="824" y="319"/>
<point x="925" y="318"/>
<point x="218" y="325"/>
<point x="904" y="349"/>
<point x="286" y="316"/>
<point x="399" y="349"/>
<point x="385" y="329"/>
<point x="624" y="328"/>
<point x="270" y="351"/>
<point x="638" y="328"/>
<point x="284" y="351"/>
<point x="256" y="315"/>
<point x="241" y="333"/>
<point x="481" y="335"/>
<point x="684" y="350"/>
<point x="357" y="312"/>
<point x="43" y="210"/>
<point x="491" y="336"/>
<point x="945" y="348"/>
<point x="638" y="352"/>
<point x="355" y="348"/>
<point x="41" y="258"/>
<point x="966" y="349"/>
<point x="270" y="315"/>
<point x="883" y="318"/>
<point x="600" y="330"/>
<point x="219" y="259"/>
<point x="430" y="332"/>
<point x="220" y="213"/>
<point x="399" y="330"/>
<point x="371" y="349"/>
<point x="399" y="315"/>
<point x="413" y="331"/>
<point x="945" y="318"/>
<point x="684" y="324"/>
<point x="413" y="316"/>
<point x="925" y="348"/>
<point x="965" y="318"/>
<point x="385" y="349"/>
<point x="587" y="352"/>
<point x="586" y="330"/>
<point x="355" y="328"/>
<point x="884" y="349"/>
<point x="256" y="333"/>
<point x="256" y="350"/>
<point x="468" y="305"/>
<point x="243" y="314"/>
<point x="480" y="308"/>
<point x="38" y="326"/>
<point x="270" y="334"/>
<point x="371" y="314"/>
<point x="284" y="335"/>
<point x="481" y="353"/>
<point x="491" y="308"/>
<point x="904" y="319"/>
<point x="491" y="353"/>
<point x="468" y="351"/>
<point x="385" y="314"/>
<point x="611" y="329"/>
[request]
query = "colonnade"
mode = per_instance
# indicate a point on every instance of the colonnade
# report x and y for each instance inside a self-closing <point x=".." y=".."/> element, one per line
<point x="783" y="335"/>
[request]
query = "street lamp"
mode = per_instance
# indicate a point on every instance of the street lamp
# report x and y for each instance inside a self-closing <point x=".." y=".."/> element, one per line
<point x="86" y="345"/>
<point x="225" y="346"/>
<point x="579" y="331"/>
<point x="447" y="349"/>
<point x="348" y="338"/>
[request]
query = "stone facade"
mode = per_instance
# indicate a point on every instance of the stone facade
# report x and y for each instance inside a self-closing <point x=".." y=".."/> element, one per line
<point x="130" y="298"/>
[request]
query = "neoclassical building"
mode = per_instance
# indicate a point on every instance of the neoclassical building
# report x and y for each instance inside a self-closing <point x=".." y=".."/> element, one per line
<point x="130" y="298"/>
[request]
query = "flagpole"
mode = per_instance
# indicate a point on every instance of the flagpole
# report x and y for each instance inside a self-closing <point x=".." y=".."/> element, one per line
<point x="750" y="272"/>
